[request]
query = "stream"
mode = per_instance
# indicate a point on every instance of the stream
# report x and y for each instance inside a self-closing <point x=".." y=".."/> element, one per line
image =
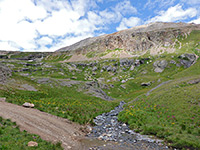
<point x="110" y="134"/>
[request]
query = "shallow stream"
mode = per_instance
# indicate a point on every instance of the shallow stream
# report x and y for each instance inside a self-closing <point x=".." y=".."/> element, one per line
<point x="110" y="134"/>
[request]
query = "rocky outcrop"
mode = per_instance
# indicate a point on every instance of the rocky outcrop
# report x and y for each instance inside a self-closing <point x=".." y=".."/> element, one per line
<point x="160" y="65"/>
<point x="94" y="88"/>
<point x="187" y="59"/>
<point x="136" y="39"/>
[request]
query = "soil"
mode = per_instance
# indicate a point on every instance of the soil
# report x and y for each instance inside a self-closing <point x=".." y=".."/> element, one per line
<point x="48" y="127"/>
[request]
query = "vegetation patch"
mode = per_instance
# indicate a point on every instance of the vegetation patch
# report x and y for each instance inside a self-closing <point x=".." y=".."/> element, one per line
<point x="12" y="138"/>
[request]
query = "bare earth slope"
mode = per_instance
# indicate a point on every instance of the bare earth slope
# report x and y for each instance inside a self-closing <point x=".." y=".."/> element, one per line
<point x="49" y="127"/>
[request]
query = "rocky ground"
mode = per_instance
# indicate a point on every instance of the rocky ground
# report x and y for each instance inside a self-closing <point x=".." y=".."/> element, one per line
<point x="108" y="128"/>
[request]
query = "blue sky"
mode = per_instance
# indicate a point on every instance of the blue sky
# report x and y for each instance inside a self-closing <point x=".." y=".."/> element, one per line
<point x="47" y="25"/>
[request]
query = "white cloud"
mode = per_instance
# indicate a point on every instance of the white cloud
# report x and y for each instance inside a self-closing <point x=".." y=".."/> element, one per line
<point x="175" y="13"/>
<point x="130" y="22"/>
<point x="44" y="41"/>
<point x="23" y="22"/>
<point x="191" y="2"/>
<point x="197" y="21"/>
<point x="125" y="7"/>
<point x="8" y="46"/>
<point x="158" y="3"/>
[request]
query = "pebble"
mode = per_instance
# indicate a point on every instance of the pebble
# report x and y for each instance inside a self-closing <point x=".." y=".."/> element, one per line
<point x="108" y="128"/>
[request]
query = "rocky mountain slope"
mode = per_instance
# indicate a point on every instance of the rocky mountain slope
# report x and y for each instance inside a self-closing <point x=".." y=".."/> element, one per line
<point x="154" y="38"/>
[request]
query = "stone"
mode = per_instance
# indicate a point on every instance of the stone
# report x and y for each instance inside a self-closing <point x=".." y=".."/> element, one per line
<point x="158" y="70"/>
<point x="190" y="57"/>
<point x="32" y="144"/>
<point x="160" y="65"/>
<point x="146" y="84"/>
<point x="187" y="59"/>
<point x="74" y="77"/>
<point x="114" y="69"/>
<point x="2" y="99"/>
<point x="109" y="68"/>
<point x="196" y="81"/>
<point x="123" y="81"/>
<point x="172" y="62"/>
<point x="28" y="105"/>
<point x="132" y="67"/>
<point x="94" y="68"/>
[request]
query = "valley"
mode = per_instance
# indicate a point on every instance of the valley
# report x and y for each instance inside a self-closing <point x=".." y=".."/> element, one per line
<point x="153" y="69"/>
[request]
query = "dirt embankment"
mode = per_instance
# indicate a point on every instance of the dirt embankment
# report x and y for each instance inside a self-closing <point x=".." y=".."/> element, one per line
<point x="49" y="127"/>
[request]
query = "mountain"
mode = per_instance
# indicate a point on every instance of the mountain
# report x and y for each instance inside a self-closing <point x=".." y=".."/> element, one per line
<point x="154" y="69"/>
<point x="154" y="38"/>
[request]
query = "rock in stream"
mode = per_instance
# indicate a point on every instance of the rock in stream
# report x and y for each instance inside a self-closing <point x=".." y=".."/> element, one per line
<point x="110" y="130"/>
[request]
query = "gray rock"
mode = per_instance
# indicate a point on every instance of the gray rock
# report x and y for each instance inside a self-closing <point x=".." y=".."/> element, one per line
<point x="123" y="86"/>
<point x="172" y="62"/>
<point x="28" y="105"/>
<point x="196" y="81"/>
<point x="2" y="99"/>
<point x="123" y="81"/>
<point x="158" y="70"/>
<point x="114" y="69"/>
<point x="187" y="59"/>
<point x="109" y="68"/>
<point x="160" y="65"/>
<point x="146" y="84"/>
<point x="94" y="68"/>
<point x="132" y="67"/>
<point x="190" y="57"/>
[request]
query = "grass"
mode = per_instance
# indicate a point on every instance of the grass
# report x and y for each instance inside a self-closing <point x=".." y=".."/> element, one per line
<point x="65" y="102"/>
<point x="12" y="138"/>
<point x="170" y="112"/>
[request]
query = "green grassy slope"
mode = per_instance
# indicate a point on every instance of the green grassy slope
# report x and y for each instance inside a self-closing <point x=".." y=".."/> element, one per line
<point x="170" y="112"/>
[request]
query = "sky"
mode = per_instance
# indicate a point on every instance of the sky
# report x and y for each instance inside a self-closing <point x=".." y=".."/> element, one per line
<point x="47" y="25"/>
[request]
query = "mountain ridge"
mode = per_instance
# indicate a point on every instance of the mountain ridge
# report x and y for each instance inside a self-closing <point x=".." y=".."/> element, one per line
<point x="93" y="42"/>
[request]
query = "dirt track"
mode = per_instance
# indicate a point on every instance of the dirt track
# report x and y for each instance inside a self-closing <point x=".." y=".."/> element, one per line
<point x="49" y="127"/>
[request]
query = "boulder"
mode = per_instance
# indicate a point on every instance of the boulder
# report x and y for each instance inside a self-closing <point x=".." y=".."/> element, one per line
<point x="94" y="68"/>
<point x="196" y="81"/>
<point x="146" y="84"/>
<point x="2" y="99"/>
<point x="172" y="62"/>
<point x="187" y="59"/>
<point x="132" y="67"/>
<point x="190" y="57"/>
<point x="160" y="65"/>
<point x="123" y="81"/>
<point x="28" y="105"/>
<point x="109" y="68"/>
<point x="32" y="144"/>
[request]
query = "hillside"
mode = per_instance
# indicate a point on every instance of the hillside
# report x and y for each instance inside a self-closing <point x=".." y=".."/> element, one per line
<point x="154" y="39"/>
<point x="155" y="69"/>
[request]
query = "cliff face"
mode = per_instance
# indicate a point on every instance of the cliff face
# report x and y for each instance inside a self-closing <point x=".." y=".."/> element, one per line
<point x="137" y="39"/>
